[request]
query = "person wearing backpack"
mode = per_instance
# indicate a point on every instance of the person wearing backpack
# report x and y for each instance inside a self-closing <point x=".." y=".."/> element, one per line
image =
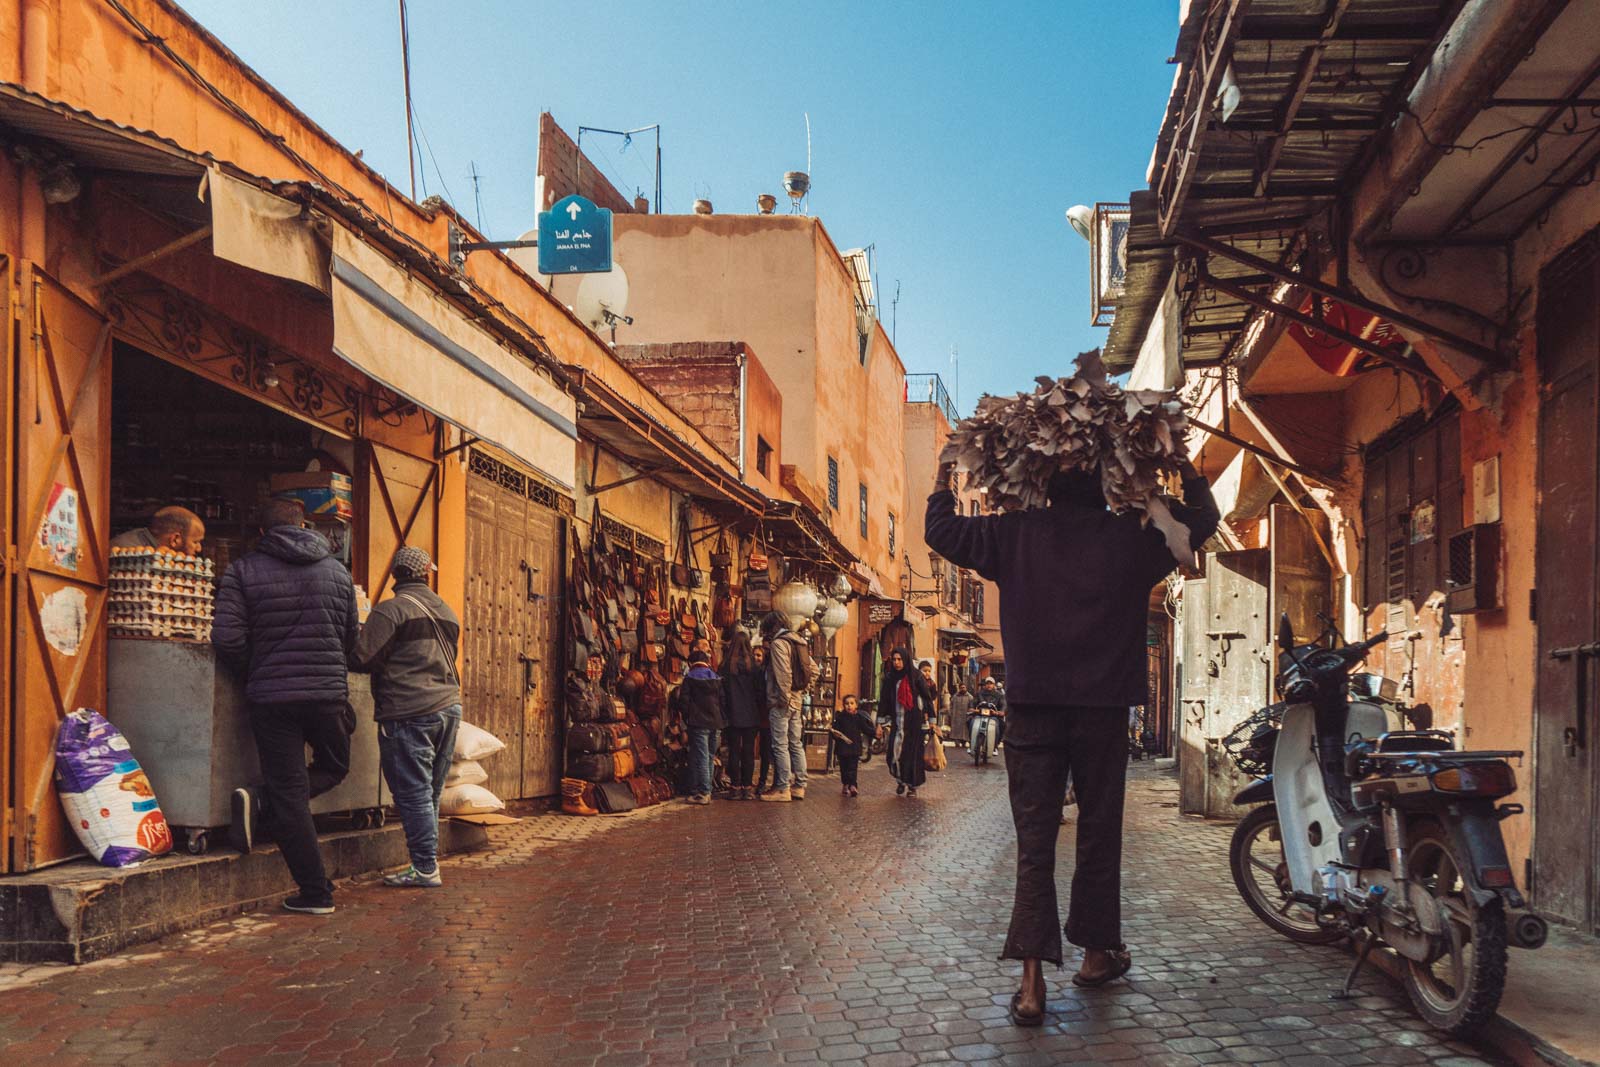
<point x="791" y="670"/>
<point x="408" y="645"/>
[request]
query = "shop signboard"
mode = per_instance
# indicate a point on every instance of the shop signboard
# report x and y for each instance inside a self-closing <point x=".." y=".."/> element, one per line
<point x="574" y="237"/>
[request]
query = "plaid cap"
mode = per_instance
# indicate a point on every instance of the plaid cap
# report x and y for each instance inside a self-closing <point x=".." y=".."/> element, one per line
<point x="413" y="563"/>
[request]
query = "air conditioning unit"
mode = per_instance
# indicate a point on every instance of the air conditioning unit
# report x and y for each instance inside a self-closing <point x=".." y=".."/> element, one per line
<point x="1472" y="574"/>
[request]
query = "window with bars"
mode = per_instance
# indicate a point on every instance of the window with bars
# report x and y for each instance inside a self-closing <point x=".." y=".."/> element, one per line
<point x="863" y="509"/>
<point x="1412" y="505"/>
<point x="891" y="535"/>
<point x="833" y="483"/>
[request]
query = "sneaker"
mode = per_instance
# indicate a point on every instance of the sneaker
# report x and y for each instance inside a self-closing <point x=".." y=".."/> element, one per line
<point x="242" y="830"/>
<point x="411" y="878"/>
<point x="304" y="905"/>
<point x="700" y="798"/>
<point x="777" y="796"/>
<point x="855" y="790"/>
<point x="797" y="792"/>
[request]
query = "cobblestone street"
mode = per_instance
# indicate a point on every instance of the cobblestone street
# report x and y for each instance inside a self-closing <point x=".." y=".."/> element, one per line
<point x="738" y="934"/>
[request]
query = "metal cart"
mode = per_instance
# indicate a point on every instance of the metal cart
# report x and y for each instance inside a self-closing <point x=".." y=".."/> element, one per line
<point x="188" y="723"/>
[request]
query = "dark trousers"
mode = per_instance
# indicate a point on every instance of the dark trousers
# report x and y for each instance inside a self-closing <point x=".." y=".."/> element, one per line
<point x="742" y="754"/>
<point x="1044" y="745"/>
<point x="282" y="733"/>
<point x="848" y="765"/>
<point x="764" y="737"/>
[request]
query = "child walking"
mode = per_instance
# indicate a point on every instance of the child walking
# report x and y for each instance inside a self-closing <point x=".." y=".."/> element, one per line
<point x="851" y="730"/>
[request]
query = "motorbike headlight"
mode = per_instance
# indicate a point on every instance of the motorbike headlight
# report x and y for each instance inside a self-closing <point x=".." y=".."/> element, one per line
<point x="1478" y="779"/>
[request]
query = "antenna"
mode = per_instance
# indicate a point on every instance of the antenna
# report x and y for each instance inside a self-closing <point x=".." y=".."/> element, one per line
<point x="894" y="313"/>
<point x="477" y="198"/>
<point x="807" y="114"/>
<point x="955" y="362"/>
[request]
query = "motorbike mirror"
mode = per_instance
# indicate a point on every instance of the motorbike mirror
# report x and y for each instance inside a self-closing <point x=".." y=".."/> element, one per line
<point x="1285" y="633"/>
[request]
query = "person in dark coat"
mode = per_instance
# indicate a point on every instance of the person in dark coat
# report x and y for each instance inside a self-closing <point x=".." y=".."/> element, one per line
<point x="744" y="704"/>
<point x="1075" y="584"/>
<point x="286" y="620"/>
<point x="906" y="701"/>
<point x="701" y="698"/>
<point x="852" y="730"/>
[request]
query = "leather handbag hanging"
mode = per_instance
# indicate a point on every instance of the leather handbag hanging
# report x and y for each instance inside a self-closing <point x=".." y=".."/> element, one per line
<point x="721" y="558"/>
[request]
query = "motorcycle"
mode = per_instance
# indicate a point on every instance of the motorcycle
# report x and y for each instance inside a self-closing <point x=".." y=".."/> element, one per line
<point x="983" y="733"/>
<point x="1390" y="836"/>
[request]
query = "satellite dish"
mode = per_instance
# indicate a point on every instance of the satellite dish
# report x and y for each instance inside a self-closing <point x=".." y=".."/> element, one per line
<point x="526" y="258"/>
<point x="1082" y="219"/>
<point x="602" y="299"/>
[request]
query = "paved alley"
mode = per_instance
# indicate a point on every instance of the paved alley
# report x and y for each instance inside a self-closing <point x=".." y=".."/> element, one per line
<point x="825" y="931"/>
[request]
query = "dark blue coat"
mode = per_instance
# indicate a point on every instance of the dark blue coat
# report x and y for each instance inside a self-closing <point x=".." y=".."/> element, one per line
<point x="286" y="618"/>
<point x="1074" y="584"/>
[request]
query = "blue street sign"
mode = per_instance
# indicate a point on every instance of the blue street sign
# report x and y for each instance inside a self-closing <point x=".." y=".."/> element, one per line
<point x="574" y="238"/>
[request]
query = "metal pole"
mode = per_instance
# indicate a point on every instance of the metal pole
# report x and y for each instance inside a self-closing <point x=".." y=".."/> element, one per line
<point x="405" y="64"/>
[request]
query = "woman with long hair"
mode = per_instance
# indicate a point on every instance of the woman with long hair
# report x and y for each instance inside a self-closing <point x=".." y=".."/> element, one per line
<point x="744" y="691"/>
<point x="907" y="700"/>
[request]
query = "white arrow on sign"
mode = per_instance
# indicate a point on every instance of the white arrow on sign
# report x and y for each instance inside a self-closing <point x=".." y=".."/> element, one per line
<point x="573" y="211"/>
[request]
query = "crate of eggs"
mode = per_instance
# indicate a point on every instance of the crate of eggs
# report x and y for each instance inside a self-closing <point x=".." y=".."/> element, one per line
<point x="159" y="593"/>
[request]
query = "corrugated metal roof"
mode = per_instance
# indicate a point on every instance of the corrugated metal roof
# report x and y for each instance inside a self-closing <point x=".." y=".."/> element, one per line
<point x="1311" y="100"/>
<point x="93" y="142"/>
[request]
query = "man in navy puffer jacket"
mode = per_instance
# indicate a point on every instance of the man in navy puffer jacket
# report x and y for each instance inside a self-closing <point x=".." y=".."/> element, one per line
<point x="286" y="619"/>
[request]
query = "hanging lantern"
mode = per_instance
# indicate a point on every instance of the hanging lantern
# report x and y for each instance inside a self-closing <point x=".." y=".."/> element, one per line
<point x="834" y="616"/>
<point x="795" y="601"/>
<point x="841" y="586"/>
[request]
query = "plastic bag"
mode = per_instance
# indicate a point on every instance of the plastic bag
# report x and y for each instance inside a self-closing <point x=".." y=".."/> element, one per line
<point x="474" y="742"/>
<point x="465" y="772"/>
<point x="468" y="800"/>
<point x="107" y="797"/>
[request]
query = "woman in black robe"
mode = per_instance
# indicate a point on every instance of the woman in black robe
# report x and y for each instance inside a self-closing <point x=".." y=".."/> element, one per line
<point x="906" y="700"/>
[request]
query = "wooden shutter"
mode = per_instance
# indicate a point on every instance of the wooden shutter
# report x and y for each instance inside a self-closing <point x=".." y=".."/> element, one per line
<point x="62" y="490"/>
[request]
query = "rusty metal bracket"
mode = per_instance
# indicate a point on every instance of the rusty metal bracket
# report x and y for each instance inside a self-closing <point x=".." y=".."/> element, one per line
<point x="1482" y="353"/>
<point x="138" y="263"/>
<point x="644" y="472"/>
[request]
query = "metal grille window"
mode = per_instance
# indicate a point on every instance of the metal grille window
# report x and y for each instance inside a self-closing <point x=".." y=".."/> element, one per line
<point x="891" y="533"/>
<point x="531" y="486"/>
<point x="833" y="483"/>
<point x="863" y="509"/>
<point x="1412" y="506"/>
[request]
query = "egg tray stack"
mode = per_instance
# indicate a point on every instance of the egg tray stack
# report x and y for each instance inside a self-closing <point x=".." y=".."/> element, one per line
<point x="158" y="593"/>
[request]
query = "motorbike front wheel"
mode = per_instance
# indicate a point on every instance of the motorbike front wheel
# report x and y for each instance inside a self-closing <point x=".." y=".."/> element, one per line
<point x="1261" y="875"/>
<point x="980" y="750"/>
<point x="1459" y="990"/>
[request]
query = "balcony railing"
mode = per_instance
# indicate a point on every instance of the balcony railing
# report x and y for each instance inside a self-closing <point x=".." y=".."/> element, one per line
<point x="929" y="389"/>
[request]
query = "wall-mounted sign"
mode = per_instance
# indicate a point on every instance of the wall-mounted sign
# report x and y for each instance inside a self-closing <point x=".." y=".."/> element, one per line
<point x="1109" y="256"/>
<point x="574" y="238"/>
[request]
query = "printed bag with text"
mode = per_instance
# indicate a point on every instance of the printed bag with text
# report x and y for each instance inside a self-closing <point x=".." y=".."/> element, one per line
<point x="108" y="800"/>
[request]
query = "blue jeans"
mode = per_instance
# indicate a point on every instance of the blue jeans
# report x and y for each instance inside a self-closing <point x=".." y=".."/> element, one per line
<point x="415" y="755"/>
<point x="702" y="747"/>
<point x="788" y="748"/>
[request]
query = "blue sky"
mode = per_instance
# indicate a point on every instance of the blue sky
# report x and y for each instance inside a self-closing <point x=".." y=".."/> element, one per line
<point x="951" y="136"/>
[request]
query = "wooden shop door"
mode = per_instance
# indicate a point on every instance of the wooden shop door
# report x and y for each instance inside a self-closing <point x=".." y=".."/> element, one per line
<point x="60" y="489"/>
<point x="510" y="635"/>
<point x="1566" y="763"/>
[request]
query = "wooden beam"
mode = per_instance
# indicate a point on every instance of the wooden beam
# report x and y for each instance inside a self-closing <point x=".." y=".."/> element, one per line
<point x="141" y="262"/>
<point x="1477" y="351"/>
<point x="1257" y="450"/>
<point x="1361" y="344"/>
<point x="1310" y="61"/>
<point x="1207" y="76"/>
<point x="1288" y="494"/>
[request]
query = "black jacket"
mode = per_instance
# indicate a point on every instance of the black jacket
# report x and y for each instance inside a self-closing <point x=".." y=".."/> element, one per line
<point x="855" y="725"/>
<point x="286" y="618"/>
<point x="1074" y="590"/>
<point x="413" y="673"/>
<point x="744" y="699"/>
<point x="701" y="696"/>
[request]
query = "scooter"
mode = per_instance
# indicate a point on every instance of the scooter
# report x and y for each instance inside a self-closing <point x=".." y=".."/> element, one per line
<point x="1389" y="836"/>
<point x="983" y="733"/>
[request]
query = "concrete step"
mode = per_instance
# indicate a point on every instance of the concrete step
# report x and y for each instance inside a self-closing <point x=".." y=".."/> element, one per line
<point x="80" y="911"/>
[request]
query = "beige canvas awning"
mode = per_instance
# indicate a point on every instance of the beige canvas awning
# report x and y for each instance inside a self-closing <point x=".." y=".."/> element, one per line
<point x="402" y="334"/>
<point x="398" y="331"/>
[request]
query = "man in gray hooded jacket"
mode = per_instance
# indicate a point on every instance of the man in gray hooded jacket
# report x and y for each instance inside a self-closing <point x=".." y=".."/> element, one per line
<point x="409" y="647"/>
<point x="785" y="703"/>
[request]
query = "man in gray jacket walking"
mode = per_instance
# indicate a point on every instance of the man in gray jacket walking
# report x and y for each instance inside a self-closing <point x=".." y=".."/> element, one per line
<point x="786" y="651"/>
<point x="409" y="647"/>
